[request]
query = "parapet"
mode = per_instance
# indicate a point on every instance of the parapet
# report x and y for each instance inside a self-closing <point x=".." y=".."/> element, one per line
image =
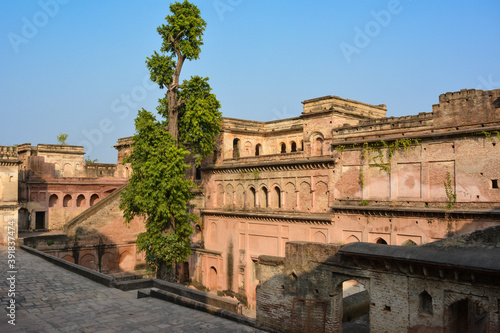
<point x="8" y="154"/>
<point x="337" y="104"/>
<point x="60" y="149"/>
<point x="467" y="106"/>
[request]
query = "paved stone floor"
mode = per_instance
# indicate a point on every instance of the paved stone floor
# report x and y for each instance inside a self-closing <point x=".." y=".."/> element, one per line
<point x="52" y="299"/>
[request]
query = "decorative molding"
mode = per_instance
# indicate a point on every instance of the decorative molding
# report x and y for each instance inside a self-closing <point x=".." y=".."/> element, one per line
<point x="274" y="166"/>
<point x="266" y="217"/>
<point x="418" y="212"/>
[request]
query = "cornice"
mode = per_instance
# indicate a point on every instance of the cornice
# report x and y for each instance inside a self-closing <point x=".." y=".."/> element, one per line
<point x="270" y="217"/>
<point x="303" y="164"/>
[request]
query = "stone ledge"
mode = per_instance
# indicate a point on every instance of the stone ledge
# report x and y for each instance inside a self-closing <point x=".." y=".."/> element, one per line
<point x="213" y="310"/>
<point x="182" y="291"/>
<point x="80" y="270"/>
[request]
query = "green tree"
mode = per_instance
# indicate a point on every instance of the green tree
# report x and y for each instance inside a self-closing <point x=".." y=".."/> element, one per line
<point x="158" y="189"/>
<point x="61" y="138"/>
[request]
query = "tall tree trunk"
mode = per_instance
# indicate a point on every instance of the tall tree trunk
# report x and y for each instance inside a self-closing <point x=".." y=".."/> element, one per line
<point x="173" y="114"/>
<point x="173" y="102"/>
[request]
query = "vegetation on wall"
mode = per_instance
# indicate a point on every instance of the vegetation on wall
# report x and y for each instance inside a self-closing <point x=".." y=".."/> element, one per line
<point x="88" y="160"/>
<point x="378" y="154"/>
<point x="61" y="138"/>
<point x="450" y="192"/>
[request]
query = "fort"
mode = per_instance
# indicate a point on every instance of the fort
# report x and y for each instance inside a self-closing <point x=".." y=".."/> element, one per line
<point x="341" y="172"/>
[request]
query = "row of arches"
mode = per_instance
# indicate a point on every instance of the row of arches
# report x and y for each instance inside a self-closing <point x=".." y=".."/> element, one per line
<point x="317" y="147"/>
<point x="250" y="150"/>
<point x="287" y="197"/>
<point x="110" y="262"/>
<point x="68" y="201"/>
<point x="380" y="240"/>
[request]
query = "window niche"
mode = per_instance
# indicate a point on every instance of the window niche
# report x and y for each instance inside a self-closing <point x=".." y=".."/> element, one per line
<point x="425" y="303"/>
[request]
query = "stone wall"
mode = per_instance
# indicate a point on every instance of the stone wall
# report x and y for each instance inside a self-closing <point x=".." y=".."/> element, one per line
<point x="355" y="176"/>
<point x="56" y="184"/>
<point x="8" y="194"/>
<point x="411" y="289"/>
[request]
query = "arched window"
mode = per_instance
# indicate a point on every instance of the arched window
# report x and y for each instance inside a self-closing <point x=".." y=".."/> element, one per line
<point x="318" y="147"/>
<point x="248" y="148"/>
<point x="283" y="147"/>
<point x="80" y="201"/>
<point x="264" y="203"/>
<point x="94" y="199"/>
<point x="252" y="201"/>
<point x="277" y="197"/>
<point x="67" y="200"/>
<point x="381" y="241"/>
<point x="68" y="170"/>
<point x="258" y="149"/>
<point x="53" y="200"/>
<point x="409" y="242"/>
<point x="236" y="148"/>
<point x="293" y="147"/>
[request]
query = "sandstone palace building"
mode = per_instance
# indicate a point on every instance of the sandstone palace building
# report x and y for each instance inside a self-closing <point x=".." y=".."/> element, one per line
<point x="341" y="172"/>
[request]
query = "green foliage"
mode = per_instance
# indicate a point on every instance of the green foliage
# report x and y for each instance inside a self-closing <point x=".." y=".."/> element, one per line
<point x="50" y="242"/>
<point x="182" y="38"/>
<point x="159" y="193"/>
<point x="88" y="160"/>
<point x="256" y="174"/>
<point x="450" y="193"/>
<point x="339" y="148"/>
<point x="61" y="138"/>
<point x="489" y="134"/>
<point x="158" y="190"/>
<point x="199" y="116"/>
<point x="161" y="69"/>
<point x="363" y="203"/>
<point x="184" y="30"/>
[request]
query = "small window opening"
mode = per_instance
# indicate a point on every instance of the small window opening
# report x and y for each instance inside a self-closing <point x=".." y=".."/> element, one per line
<point x="236" y="148"/>
<point x="264" y="203"/>
<point x="425" y="303"/>
<point x="198" y="173"/>
<point x="494" y="183"/>
<point x="257" y="149"/>
<point x="283" y="148"/>
<point x="294" y="147"/>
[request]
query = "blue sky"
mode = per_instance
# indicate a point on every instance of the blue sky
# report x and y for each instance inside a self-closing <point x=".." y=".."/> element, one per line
<point x="78" y="67"/>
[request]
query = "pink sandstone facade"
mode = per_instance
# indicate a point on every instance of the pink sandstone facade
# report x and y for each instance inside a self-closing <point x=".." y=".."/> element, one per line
<point x="341" y="172"/>
<point x="326" y="176"/>
<point x="55" y="185"/>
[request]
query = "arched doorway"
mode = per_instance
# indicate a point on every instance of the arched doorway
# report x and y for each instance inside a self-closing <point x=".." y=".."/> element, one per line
<point x="355" y="307"/>
<point x="212" y="278"/>
<point x="80" y="201"/>
<point x="466" y="316"/>
<point x="67" y="200"/>
<point x="264" y="203"/>
<point x="283" y="148"/>
<point x="53" y="200"/>
<point x="94" y="199"/>
<point x="236" y="148"/>
<point x="258" y="149"/>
